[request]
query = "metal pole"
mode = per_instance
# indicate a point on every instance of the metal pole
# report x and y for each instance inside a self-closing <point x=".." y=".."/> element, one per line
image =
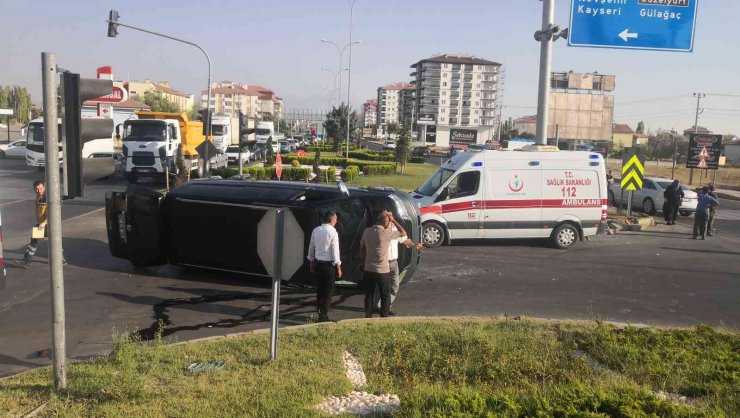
<point x="543" y="95"/>
<point x="675" y="150"/>
<point x="206" y="163"/>
<point x="349" y="70"/>
<point x="7" y="121"/>
<point x="698" y="96"/>
<point x="239" y="134"/>
<point x="276" y="277"/>
<point x="629" y="203"/>
<point x="54" y="217"/>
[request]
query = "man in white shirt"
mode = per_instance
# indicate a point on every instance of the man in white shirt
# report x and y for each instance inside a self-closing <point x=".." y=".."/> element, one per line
<point x="325" y="262"/>
<point x="393" y="264"/>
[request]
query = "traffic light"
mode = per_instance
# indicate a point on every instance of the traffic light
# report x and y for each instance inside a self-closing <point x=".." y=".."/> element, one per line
<point x="113" y="24"/>
<point x="77" y="130"/>
<point x="206" y="115"/>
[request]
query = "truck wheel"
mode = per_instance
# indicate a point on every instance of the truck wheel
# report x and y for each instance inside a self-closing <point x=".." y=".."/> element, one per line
<point x="433" y="234"/>
<point x="564" y="236"/>
<point x="132" y="178"/>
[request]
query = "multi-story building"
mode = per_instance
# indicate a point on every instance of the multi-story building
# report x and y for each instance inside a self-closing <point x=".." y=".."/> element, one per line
<point x="184" y="101"/>
<point x="456" y="98"/>
<point x="369" y="113"/>
<point x="388" y="105"/>
<point x="228" y="98"/>
<point x="407" y="107"/>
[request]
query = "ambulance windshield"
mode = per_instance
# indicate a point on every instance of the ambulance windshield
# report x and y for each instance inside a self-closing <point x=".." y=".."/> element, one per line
<point x="435" y="181"/>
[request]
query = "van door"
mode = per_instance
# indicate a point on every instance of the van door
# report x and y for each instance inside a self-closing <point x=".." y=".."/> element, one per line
<point x="462" y="204"/>
<point x="513" y="208"/>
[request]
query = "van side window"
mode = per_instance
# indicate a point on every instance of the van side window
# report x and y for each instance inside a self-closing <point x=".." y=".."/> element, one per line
<point x="465" y="184"/>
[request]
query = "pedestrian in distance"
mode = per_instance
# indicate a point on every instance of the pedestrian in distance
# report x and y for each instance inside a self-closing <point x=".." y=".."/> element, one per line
<point x="41" y="222"/>
<point x="672" y="197"/>
<point x="325" y="262"/>
<point x="393" y="265"/>
<point x="712" y="211"/>
<point x="374" y="255"/>
<point x="702" y="212"/>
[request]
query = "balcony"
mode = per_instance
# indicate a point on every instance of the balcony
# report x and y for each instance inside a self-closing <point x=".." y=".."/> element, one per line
<point x="454" y="103"/>
<point x="468" y="78"/>
<point x="430" y="84"/>
<point x="465" y="113"/>
<point x="465" y="121"/>
<point x="488" y="98"/>
<point x="468" y="86"/>
<point x="455" y="85"/>
<point x="453" y="121"/>
<point x="466" y="96"/>
<point x="488" y="86"/>
<point x="453" y="112"/>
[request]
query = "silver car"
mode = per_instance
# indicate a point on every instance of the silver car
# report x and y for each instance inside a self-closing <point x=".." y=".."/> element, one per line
<point x="650" y="199"/>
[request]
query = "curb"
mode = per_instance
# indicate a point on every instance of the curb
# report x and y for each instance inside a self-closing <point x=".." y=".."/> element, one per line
<point x="728" y="196"/>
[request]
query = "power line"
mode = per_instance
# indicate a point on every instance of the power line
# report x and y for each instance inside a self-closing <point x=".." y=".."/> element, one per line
<point x="723" y="95"/>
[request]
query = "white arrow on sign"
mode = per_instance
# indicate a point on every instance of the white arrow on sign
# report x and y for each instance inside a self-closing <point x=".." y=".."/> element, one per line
<point x="625" y="35"/>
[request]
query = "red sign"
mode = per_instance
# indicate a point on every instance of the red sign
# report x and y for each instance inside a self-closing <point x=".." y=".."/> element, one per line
<point x="118" y="95"/>
<point x="278" y="166"/>
<point x="301" y="153"/>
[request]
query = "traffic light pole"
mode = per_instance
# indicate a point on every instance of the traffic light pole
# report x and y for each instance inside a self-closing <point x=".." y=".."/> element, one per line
<point x="54" y="216"/>
<point x="206" y="158"/>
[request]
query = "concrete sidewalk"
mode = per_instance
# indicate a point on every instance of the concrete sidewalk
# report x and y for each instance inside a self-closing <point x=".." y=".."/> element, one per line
<point x="728" y="194"/>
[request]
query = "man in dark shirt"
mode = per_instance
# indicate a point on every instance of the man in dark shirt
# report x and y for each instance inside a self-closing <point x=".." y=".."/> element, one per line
<point x="673" y="195"/>
<point x="712" y="211"/>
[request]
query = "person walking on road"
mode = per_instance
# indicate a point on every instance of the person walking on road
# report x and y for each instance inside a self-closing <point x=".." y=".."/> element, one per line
<point x="712" y="211"/>
<point x="672" y="196"/>
<point x="325" y="262"/>
<point x="41" y="221"/>
<point x="374" y="255"/>
<point x="702" y="212"/>
<point x="393" y="265"/>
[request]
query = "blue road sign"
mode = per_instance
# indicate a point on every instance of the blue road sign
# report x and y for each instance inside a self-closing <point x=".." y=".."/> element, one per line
<point x="665" y="25"/>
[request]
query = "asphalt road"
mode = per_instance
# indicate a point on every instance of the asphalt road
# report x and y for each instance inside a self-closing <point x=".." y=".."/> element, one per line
<point x="658" y="277"/>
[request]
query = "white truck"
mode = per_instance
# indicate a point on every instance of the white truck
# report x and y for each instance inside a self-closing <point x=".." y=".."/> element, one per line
<point x="35" y="154"/>
<point x="221" y="130"/>
<point x="266" y="130"/>
<point x="150" y="144"/>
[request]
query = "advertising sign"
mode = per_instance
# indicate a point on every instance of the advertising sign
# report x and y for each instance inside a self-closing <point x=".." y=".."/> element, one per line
<point x="463" y="136"/>
<point x="431" y="136"/>
<point x="704" y="151"/>
<point x="427" y="119"/>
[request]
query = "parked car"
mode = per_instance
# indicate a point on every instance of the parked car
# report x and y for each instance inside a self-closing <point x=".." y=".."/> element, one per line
<point x="16" y="149"/>
<point x="421" y="152"/>
<point x="118" y="160"/>
<point x="650" y="199"/>
<point x="481" y="147"/>
<point x="389" y="144"/>
<point x="293" y="144"/>
<point x="232" y="153"/>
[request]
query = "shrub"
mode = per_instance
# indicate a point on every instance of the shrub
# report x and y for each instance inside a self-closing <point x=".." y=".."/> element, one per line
<point x="295" y="163"/>
<point x="296" y="174"/>
<point x="324" y="148"/>
<point x="379" y="169"/>
<point x="337" y="161"/>
<point x="350" y="173"/>
<point x="417" y="160"/>
<point x="372" y="155"/>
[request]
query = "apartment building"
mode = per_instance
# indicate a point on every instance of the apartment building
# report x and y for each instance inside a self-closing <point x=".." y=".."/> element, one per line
<point x="183" y="100"/>
<point x="369" y="113"/>
<point x="228" y="98"/>
<point x="407" y="107"/>
<point x="388" y="105"/>
<point x="456" y="99"/>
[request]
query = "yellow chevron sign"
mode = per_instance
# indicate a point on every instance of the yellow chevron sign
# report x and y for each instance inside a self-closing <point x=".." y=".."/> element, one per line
<point x="633" y="172"/>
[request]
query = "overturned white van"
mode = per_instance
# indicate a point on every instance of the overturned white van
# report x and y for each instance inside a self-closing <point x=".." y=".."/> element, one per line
<point x="535" y="192"/>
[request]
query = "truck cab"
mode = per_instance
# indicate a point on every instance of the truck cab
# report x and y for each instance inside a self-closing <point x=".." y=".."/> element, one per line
<point x="263" y="132"/>
<point x="221" y="132"/>
<point x="149" y="146"/>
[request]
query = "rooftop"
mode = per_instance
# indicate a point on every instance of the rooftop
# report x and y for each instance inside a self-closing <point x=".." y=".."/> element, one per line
<point x="456" y="59"/>
<point x="622" y="128"/>
<point x="396" y="86"/>
<point x="527" y="119"/>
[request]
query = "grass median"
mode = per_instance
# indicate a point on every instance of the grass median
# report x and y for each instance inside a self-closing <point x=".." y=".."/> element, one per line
<point x="414" y="176"/>
<point x="454" y="367"/>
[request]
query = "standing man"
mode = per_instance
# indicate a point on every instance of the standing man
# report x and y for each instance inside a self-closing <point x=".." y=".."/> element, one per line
<point x="712" y="211"/>
<point x="374" y="254"/>
<point x="393" y="265"/>
<point x="41" y="220"/>
<point x="672" y="196"/>
<point x="325" y="262"/>
<point x="702" y="212"/>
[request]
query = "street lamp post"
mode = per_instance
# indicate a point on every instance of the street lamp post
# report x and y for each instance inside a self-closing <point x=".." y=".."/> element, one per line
<point x="113" y="22"/>
<point x="349" y="72"/>
<point x="335" y="74"/>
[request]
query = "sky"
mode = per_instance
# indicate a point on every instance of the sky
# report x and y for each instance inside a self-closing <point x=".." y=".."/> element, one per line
<point x="277" y="44"/>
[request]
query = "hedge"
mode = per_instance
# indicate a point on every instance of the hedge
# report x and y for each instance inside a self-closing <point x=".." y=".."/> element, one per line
<point x="379" y="169"/>
<point x="417" y="160"/>
<point x="267" y="173"/>
<point x="372" y="156"/>
<point x="338" y="161"/>
<point x="325" y="148"/>
<point x="350" y="173"/>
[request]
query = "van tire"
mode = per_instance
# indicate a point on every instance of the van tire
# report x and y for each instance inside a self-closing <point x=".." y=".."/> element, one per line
<point x="564" y="236"/>
<point x="648" y="206"/>
<point x="433" y="234"/>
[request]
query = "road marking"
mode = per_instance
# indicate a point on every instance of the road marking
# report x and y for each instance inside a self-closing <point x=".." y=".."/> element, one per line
<point x="13" y="202"/>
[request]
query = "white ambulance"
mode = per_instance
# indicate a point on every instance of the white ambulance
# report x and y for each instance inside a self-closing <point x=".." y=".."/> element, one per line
<point x="535" y="192"/>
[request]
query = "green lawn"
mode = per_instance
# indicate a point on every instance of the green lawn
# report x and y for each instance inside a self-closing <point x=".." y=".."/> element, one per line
<point x="414" y="176"/>
<point x="462" y="368"/>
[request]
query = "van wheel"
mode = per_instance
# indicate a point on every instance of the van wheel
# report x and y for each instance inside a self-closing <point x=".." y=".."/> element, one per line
<point x="648" y="206"/>
<point x="564" y="236"/>
<point x="433" y="234"/>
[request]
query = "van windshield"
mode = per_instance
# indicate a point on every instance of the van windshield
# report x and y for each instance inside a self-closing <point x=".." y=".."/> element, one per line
<point x="435" y="181"/>
<point x="262" y="131"/>
<point x="218" y="130"/>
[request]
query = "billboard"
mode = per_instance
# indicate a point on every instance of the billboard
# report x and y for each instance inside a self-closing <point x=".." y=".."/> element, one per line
<point x="463" y="136"/>
<point x="426" y="119"/>
<point x="704" y="151"/>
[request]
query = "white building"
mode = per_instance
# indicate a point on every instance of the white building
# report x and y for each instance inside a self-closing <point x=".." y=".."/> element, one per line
<point x="456" y="99"/>
<point x="369" y="113"/>
<point x="388" y="105"/>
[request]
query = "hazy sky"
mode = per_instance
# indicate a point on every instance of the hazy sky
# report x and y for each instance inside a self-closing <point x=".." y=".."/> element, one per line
<point x="277" y="44"/>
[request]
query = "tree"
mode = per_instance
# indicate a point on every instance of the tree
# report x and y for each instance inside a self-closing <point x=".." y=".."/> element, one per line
<point x="194" y="114"/>
<point x="335" y="126"/>
<point x="640" y="127"/>
<point x="403" y="145"/>
<point x="270" y="153"/>
<point x="157" y="102"/>
<point x="393" y="128"/>
<point x="18" y="99"/>
<point x="528" y="135"/>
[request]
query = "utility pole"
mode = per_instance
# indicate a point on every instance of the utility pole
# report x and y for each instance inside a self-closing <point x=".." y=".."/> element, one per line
<point x="545" y="37"/>
<point x="54" y="217"/>
<point x="698" y="96"/>
<point x="349" y="70"/>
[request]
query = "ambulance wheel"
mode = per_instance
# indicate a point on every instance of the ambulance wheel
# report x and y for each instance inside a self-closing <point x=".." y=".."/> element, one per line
<point x="564" y="236"/>
<point x="648" y="206"/>
<point x="433" y="234"/>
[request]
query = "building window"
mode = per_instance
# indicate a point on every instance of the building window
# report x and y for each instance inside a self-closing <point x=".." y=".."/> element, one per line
<point x="477" y="94"/>
<point x="444" y="101"/>
<point x="443" y="119"/>
<point x="477" y="85"/>
<point x="444" y="84"/>
<point x="444" y="92"/>
<point x="478" y="76"/>
<point x="475" y="112"/>
<point x="443" y="110"/>
<point x="477" y="103"/>
<point x="475" y="120"/>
